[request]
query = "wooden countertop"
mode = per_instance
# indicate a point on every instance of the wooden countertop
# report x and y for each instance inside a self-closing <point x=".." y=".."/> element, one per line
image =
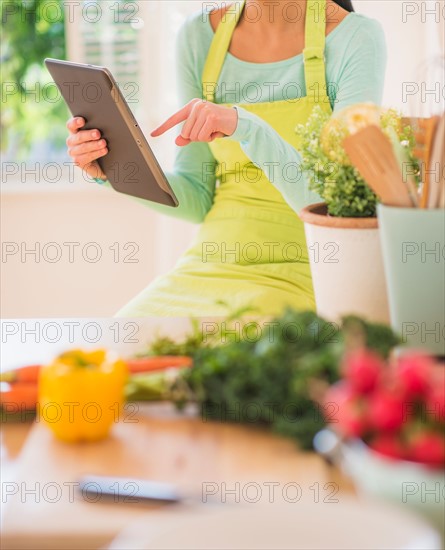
<point x="161" y="445"/>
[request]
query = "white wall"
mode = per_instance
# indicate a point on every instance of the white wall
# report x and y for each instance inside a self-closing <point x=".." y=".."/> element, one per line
<point x="415" y="41"/>
<point x="35" y="286"/>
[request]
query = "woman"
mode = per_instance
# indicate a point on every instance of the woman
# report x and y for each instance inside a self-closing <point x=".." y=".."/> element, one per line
<point x="248" y="76"/>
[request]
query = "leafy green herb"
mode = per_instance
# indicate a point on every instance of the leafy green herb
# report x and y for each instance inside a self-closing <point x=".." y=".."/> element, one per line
<point x="329" y="170"/>
<point x="277" y="380"/>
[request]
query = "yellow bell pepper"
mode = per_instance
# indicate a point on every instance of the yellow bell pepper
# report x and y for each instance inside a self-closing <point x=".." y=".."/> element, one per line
<point x="81" y="394"/>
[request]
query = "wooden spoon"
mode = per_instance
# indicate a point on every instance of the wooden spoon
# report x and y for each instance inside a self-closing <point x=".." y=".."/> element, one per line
<point x="436" y="194"/>
<point x="424" y="144"/>
<point x="371" y="152"/>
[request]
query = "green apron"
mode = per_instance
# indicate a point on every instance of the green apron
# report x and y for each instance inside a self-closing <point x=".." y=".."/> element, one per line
<point x="250" y="250"/>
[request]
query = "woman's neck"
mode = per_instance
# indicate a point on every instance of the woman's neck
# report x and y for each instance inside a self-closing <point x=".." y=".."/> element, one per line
<point x="270" y="16"/>
<point x="273" y="30"/>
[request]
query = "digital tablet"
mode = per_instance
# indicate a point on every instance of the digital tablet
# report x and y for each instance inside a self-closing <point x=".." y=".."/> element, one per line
<point x="130" y="165"/>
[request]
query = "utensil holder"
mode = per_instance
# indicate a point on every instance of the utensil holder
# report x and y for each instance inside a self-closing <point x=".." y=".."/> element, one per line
<point x="413" y="248"/>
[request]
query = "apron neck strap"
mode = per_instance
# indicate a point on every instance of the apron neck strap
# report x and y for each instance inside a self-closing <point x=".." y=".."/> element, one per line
<point x="219" y="48"/>
<point x="313" y="53"/>
<point x="314" y="48"/>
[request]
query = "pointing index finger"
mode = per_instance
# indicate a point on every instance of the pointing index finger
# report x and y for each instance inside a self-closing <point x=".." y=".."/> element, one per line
<point x="175" y="119"/>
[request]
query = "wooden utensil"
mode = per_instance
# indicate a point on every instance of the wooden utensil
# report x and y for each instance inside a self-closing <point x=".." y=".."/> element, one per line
<point x="436" y="167"/>
<point x="371" y="152"/>
<point x="441" y="202"/>
<point x="404" y="162"/>
<point x="424" y="140"/>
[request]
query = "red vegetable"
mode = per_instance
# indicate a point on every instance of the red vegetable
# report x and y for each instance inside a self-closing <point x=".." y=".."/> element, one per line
<point x="428" y="448"/>
<point x="28" y="375"/>
<point x="349" y="416"/>
<point x="388" y="445"/>
<point x="19" y="396"/>
<point x="415" y="374"/>
<point x="435" y="404"/>
<point x="386" y="411"/>
<point x="363" y="369"/>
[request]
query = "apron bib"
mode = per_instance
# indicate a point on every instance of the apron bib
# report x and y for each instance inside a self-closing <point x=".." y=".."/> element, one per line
<point x="250" y="250"/>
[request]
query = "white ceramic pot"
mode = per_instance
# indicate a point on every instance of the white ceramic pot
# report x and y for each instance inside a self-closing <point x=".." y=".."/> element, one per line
<point x="346" y="265"/>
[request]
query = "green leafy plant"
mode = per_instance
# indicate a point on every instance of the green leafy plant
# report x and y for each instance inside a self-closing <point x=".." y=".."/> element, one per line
<point x="276" y="379"/>
<point x="195" y="339"/>
<point x="329" y="169"/>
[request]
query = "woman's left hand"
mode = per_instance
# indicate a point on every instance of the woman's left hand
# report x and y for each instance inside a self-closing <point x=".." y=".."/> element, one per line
<point x="204" y="121"/>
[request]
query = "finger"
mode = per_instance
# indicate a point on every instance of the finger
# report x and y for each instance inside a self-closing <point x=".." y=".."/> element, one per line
<point x="175" y="119"/>
<point x="211" y="136"/>
<point x="88" y="147"/>
<point x="75" y="123"/>
<point x="93" y="170"/>
<point x="194" y="123"/>
<point x="82" y="137"/>
<point x="197" y="128"/>
<point x="182" y="141"/>
<point x="208" y="130"/>
<point x="88" y="158"/>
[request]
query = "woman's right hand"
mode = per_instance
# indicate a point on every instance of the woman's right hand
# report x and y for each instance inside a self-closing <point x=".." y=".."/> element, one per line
<point x="85" y="147"/>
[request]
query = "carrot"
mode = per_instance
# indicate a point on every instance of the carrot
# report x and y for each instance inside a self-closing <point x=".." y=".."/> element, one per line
<point x="161" y="362"/>
<point x="27" y="375"/>
<point x="30" y="374"/>
<point x="19" y="396"/>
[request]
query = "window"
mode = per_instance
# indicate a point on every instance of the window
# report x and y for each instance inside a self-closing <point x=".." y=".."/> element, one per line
<point x="136" y="41"/>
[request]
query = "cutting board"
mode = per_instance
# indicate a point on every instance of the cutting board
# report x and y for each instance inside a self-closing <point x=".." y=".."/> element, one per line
<point x="158" y="444"/>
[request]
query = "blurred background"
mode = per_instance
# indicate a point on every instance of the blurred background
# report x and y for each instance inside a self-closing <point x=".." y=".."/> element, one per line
<point x="73" y="249"/>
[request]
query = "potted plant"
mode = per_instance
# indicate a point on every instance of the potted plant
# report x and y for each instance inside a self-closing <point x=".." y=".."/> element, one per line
<point x="342" y="232"/>
<point x="390" y="421"/>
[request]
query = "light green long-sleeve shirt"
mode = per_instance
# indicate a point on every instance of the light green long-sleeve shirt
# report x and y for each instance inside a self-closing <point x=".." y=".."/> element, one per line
<point x="355" y="66"/>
